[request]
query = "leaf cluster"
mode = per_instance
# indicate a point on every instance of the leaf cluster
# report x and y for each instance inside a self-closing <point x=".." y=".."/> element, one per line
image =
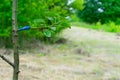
<point x="37" y="14"/>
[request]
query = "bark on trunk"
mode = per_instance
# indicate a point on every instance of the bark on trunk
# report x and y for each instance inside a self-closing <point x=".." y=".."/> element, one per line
<point x="15" y="40"/>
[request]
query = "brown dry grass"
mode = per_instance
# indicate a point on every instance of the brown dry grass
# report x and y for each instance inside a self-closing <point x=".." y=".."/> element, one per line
<point x="88" y="55"/>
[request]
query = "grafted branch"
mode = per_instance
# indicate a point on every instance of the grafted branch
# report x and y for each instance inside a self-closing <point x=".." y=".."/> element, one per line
<point x="6" y="60"/>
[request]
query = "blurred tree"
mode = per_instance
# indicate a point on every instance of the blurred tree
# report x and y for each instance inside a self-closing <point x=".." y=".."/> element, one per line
<point x="100" y="10"/>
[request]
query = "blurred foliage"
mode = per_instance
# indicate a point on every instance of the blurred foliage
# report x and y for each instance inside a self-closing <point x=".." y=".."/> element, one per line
<point x="46" y="17"/>
<point x="78" y="4"/>
<point x="103" y="11"/>
<point x="108" y="27"/>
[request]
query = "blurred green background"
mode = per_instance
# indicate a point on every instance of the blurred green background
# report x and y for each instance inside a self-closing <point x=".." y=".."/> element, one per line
<point x="57" y="15"/>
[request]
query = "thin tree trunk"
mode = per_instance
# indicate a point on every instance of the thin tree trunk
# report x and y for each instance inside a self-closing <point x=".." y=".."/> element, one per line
<point x="15" y="40"/>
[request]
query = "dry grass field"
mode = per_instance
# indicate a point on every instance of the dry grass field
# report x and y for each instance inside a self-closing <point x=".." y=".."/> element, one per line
<point x="86" y="55"/>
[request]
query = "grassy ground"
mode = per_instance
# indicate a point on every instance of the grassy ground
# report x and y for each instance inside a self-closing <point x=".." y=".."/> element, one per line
<point x="87" y="55"/>
<point x="109" y="27"/>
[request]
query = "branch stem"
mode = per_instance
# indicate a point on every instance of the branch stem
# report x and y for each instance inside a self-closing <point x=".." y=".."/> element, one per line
<point x="6" y="60"/>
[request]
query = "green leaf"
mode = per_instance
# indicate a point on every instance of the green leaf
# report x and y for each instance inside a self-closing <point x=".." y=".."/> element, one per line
<point x="53" y="28"/>
<point x="47" y="33"/>
<point x="39" y="20"/>
<point x="50" y="18"/>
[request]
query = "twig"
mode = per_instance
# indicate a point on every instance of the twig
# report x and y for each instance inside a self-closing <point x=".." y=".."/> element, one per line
<point x="39" y="28"/>
<point x="6" y="60"/>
